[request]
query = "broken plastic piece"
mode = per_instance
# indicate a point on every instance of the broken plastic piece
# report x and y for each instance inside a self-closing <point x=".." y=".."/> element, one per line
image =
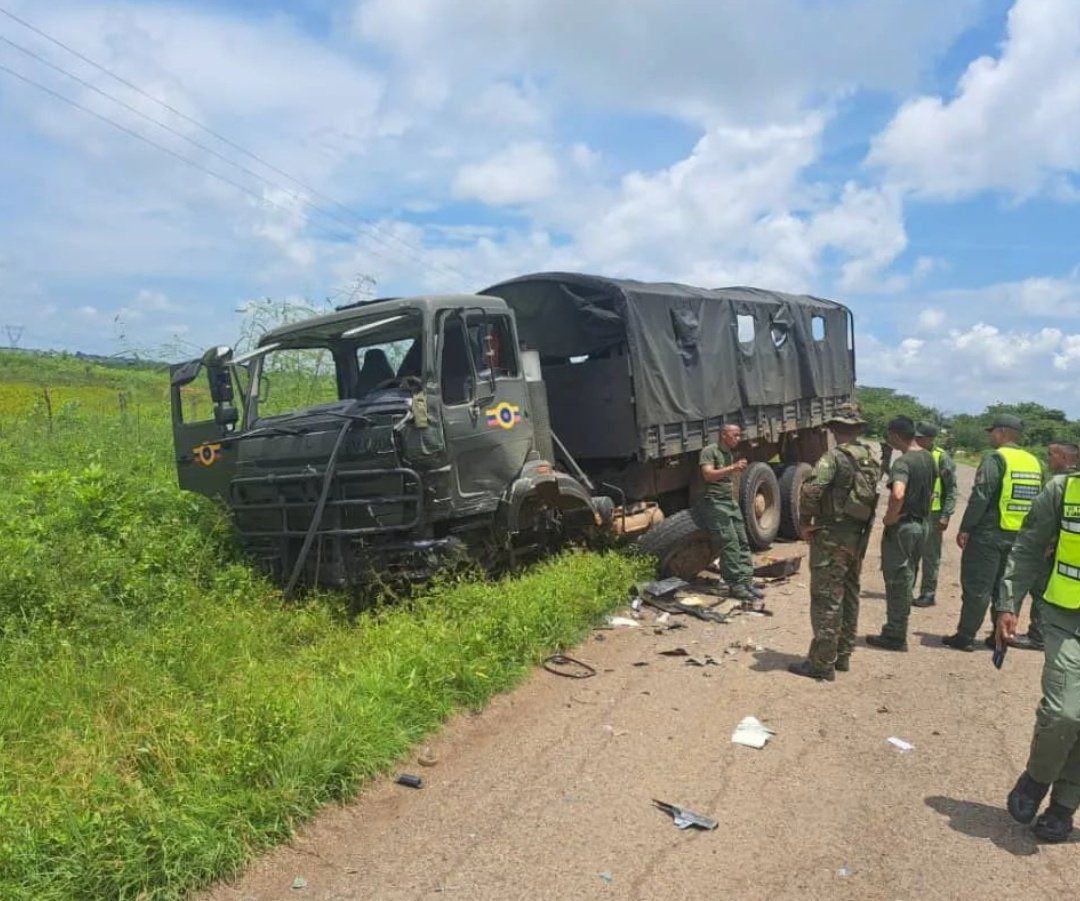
<point x="622" y="621"/>
<point x="409" y="780"/>
<point x="752" y="733"/>
<point x="665" y="586"/>
<point x="904" y="746"/>
<point x="684" y="818"/>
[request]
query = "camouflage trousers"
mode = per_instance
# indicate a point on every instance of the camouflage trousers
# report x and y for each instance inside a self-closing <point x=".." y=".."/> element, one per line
<point x="930" y="558"/>
<point x="723" y="520"/>
<point x="835" y="567"/>
<point x="900" y="546"/>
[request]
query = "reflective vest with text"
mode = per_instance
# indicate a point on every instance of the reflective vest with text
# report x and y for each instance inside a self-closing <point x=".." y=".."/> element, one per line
<point x="1063" y="590"/>
<point x="935" y="499"/>
<point x="1021" y="484"/>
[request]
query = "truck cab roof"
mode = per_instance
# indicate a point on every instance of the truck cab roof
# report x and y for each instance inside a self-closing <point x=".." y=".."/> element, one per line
<point x="332" y="325"/>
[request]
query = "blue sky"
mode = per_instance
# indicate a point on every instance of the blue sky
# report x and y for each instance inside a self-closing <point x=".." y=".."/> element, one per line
<point x="917" y="160"/>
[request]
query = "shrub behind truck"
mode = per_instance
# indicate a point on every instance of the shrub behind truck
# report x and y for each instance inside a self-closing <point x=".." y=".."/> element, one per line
<point x="393" y="435"/>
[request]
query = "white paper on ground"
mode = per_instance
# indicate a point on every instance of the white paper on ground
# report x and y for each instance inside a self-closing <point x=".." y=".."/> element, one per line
<point x="904" y="746"/>
<point x="621" y="621"/>
<point x="752" y="733"/>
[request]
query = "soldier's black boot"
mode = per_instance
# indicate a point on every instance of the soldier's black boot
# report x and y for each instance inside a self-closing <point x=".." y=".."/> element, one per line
<point x="1027" y="643"/>
<point x="843" y="663"/>
<point x="884" y="643"/>
<point x="924" y="600"/>
<point x="958" y="643"/>
<point x="1055" y="825"/>
<point x="805" y="668"/>
<point x="1025" y="798"/>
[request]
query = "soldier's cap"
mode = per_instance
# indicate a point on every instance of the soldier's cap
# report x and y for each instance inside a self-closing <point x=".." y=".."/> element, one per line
<point x="924" y="429"/>
<point x="846" y="414"/>
<point x="1006" y="421"/>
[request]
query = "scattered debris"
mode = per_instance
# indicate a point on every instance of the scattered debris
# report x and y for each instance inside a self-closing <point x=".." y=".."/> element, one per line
<point x="635" y="604"/>
<point x="427" y="757"/>
<point x="674" y="652"/>
<point x="844" y="871"/>
<point x="410" y="781"/>
<point x="299" y="884"/>
<point x="773" y="568"/>
<point x="747" y="644"/>
<point x="694" y="600"/>
<point x="752" y="733"/>
<point x="883" y="709"/>
<point x="904" y="746"/>
<point x="553" y="663"/>
<point x="625" y="621"/>
<point x="664" y="618"/>
<point x="640" y="663"/>
<point x="673" y="606"/>
<point x="607" y="877"/>
<point x="701" y="661"/>
<point x="664" y="586"/>
<point x="684" y="818"/>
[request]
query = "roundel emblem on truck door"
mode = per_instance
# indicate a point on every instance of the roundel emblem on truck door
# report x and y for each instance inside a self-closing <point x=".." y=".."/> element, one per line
<point x="503" y="415"/>
<point x="206" y="454"/>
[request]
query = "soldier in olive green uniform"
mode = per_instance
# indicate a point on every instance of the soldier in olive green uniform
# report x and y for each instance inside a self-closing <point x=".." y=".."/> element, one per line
<point x="717" y="511"/>
<point x="911" y="485"/>
<point x="1052" y="527"/>
<point x="836" y="546"/>
<point x="942" y="507"/>
<point x="1007" y="481"/>
<point x="1061" y="458"/>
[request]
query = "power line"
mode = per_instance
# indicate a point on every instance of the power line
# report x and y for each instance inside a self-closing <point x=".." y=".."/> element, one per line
<point x="188" y="139"/>
<point x="225" y="140"/>
<point x="141" y="137"/>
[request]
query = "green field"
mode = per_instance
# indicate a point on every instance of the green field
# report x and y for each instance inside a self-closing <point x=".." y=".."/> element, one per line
<point x="163" y="714"/>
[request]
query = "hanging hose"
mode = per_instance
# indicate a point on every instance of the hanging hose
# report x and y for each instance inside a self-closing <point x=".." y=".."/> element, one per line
<point x="316" y="517"/>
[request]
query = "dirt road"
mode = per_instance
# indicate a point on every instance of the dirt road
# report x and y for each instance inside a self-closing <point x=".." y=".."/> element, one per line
<point x="546" y="794"/>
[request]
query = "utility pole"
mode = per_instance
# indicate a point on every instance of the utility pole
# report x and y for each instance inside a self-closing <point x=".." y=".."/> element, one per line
<point x="14" y="334"/>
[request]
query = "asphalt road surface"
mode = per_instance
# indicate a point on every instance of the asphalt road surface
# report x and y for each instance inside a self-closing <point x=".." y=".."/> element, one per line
<point x="547" y="793"/>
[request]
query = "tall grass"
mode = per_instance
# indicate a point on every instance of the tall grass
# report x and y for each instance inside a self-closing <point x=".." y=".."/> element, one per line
<point x="162" y="713"/>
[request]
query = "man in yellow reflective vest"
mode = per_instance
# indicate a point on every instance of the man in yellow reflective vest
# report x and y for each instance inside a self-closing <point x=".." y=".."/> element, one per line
<point x="1007" y="481"/>
<point x="942" y="507"/>
<point x="1061" y="458"/>
<point x="1052" y="527"/>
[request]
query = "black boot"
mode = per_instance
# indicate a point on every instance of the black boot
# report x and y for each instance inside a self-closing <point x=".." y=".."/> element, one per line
<point x="804" y="668"/>
<point x="885" y="643"/>
<point x="1025" y="798"/>
<point x="958" y="643"/>
<point x="1055" y="825"/>
<point x="843" y="663"/>
<point x="924" y="600"/>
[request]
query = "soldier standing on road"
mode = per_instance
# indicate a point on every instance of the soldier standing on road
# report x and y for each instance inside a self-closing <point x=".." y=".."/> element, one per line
<point x="718" y="513"/>
<point x="911" y="484"/>
<point x="1061" y="458"/>
<point x="1007" y="481"/>
<point x="836" y="532"/>
<point x="942" y="507"/>
<point x="1052" y="526"/>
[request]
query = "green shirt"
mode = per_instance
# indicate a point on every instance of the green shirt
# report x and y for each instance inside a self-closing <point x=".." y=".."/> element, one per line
<point x="916" y="470"/>
<point x="718" y="457"/>
<point x="982" y="513"/>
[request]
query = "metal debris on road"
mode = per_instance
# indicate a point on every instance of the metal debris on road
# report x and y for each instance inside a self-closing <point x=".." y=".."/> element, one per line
<point x="701" y="661"/>
<point x="778" y="569"/>
<point x="410" y="781"/>
<point x="552" y="664"/>
<point x="684" y="818"/>
<point x="752" y="733"/>
<point x="674" y="652"/>
<point x="664" y="586"/>
<point x="904" y="746"/>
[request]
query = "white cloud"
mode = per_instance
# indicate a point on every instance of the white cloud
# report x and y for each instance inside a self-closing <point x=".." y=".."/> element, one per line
<point x="1014" y="124"/>
<point x="931" y="320"/>
<point x="521" y="173"/>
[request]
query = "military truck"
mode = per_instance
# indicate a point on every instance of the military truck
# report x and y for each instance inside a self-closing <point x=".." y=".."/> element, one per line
<point x="395" y="434"/>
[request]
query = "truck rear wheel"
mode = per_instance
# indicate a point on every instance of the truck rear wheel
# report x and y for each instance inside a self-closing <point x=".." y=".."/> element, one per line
<point x="759" y="498"/>
<point x="791" y="482"/>
<point x="680" y="547"/>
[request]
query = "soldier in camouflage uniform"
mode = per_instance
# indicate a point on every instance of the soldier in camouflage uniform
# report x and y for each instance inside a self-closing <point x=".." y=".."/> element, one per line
<point x="837" y="542"/>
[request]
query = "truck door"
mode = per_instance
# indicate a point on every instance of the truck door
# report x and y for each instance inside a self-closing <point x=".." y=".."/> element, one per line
<point x="203" y="416"/>
<point x="485" y="418"/>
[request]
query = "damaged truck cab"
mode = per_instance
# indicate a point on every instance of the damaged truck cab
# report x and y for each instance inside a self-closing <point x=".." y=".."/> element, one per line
<point x="393" y="434"/>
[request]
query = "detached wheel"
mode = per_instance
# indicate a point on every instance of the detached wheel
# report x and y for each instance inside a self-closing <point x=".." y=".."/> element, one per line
<point x="791" y="482"/>
<point x="679" y="546"/>
<point x="759" y="498"/>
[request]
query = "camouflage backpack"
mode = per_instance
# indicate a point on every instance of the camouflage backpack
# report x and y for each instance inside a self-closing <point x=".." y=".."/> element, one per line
<point x="862" y="474"/>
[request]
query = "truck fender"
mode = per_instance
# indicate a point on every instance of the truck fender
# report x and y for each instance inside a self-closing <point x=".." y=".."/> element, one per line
<point x="536" y="477"/>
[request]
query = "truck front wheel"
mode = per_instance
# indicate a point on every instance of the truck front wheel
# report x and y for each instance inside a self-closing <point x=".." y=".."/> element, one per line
<point x="679" y="546"/>
<point x="791" y="482"/>
<point x="759" y="498"/>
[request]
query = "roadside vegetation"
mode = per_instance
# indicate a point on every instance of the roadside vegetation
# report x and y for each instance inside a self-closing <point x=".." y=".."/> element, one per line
<point x="163" y="714"/>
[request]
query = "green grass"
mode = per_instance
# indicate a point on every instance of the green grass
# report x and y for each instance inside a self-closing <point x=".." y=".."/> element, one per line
<point x="163" y="715"/>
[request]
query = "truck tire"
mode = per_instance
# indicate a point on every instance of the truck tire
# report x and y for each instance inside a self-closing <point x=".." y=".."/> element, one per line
<point x="791" y="482"/>
<point x="759" y="499"/>
<point x="679" y="546"/>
